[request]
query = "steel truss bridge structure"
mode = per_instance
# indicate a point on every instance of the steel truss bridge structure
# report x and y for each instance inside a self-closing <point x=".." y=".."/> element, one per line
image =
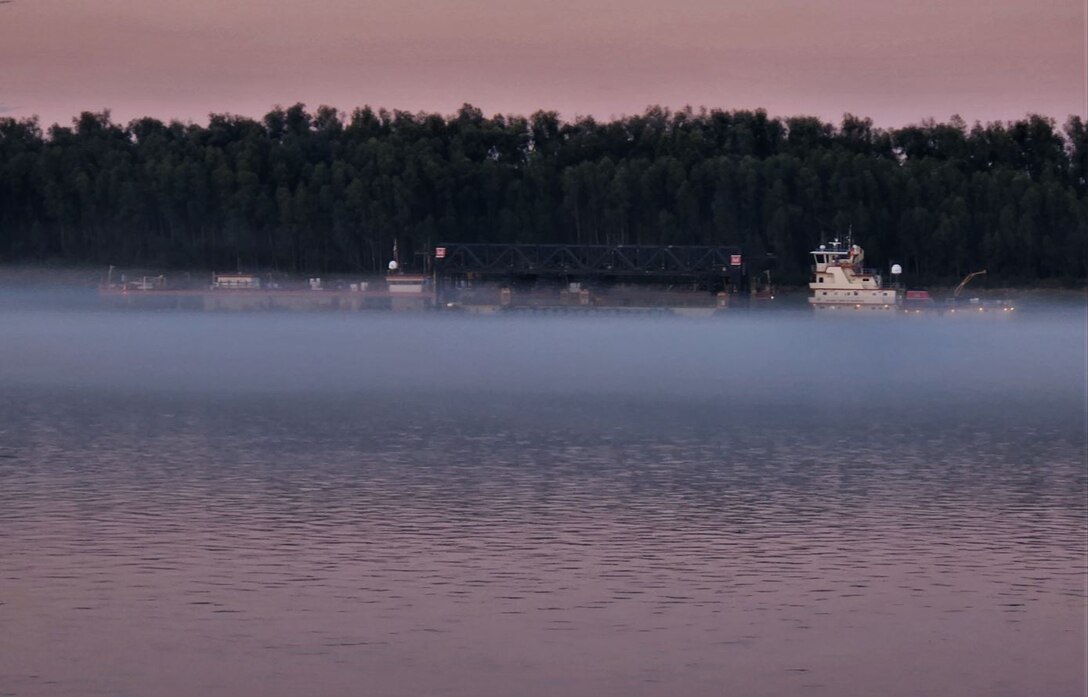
<point x="716" y="267"/>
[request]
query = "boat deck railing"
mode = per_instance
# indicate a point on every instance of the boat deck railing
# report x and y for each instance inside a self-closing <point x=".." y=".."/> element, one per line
<point x="864" y="271"/>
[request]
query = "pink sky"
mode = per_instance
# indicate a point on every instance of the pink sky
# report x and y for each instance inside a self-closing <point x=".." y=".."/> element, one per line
<point x="896" y="61"/>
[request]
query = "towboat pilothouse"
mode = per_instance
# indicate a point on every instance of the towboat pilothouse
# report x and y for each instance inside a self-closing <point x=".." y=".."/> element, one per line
<point x="840" y="281"/>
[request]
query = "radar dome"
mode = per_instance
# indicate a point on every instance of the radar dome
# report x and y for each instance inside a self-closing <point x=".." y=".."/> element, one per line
<point x="896" y="269"/>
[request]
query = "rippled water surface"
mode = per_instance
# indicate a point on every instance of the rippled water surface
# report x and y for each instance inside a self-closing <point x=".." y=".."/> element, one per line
<point x="377" y="505"/>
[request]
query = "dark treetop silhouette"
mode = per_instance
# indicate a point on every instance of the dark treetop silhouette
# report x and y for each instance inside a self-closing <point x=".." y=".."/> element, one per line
<point x="318" y="192"/>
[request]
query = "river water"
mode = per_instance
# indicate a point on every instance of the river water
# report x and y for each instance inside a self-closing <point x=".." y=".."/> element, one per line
<point x="763" y="504"/>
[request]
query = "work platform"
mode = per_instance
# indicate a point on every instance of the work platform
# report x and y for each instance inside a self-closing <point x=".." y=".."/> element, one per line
<point x="716" y="267"/>
<point x="563" y="275"/>
<point x="507" y="277"/>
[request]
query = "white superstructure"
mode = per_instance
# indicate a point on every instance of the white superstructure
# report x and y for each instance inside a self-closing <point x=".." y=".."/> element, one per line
<point x="236" y="281"/>
<point x="841" y="282"/>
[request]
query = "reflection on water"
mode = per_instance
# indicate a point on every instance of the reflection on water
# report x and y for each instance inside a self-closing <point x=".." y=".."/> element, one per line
<point x="540" y="508"/>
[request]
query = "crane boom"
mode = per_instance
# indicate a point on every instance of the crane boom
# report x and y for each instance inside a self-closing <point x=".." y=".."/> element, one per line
<point x="965" y="281"/>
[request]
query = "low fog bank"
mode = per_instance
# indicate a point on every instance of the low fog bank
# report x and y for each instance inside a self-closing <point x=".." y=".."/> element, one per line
<point x="747" y="358"/>
<point x="45" y="278"/>
<point x="51" y="289"/>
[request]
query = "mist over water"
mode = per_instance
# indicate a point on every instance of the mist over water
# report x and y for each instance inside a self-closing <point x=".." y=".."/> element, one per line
<point x="781" y="358"/>
<point x="759" y="504"/>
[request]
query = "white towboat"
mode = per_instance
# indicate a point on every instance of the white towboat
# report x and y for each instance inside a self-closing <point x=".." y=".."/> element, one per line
<point x="840" y="281"/>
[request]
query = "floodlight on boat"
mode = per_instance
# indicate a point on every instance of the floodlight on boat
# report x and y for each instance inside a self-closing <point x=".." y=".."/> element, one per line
<point x="896" y="269"/>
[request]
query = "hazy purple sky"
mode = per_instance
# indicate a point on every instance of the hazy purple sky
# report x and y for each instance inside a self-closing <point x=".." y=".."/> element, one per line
<point x="897" y="61"/>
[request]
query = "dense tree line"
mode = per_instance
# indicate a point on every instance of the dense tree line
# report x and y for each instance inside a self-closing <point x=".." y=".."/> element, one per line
<point x="318" y="192"/>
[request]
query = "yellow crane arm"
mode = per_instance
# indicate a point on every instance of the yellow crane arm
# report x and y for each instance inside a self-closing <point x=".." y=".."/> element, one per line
<point x="965" y="281"/>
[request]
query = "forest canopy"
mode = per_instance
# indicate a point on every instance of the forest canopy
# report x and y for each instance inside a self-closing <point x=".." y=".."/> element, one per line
<point x="324" y="192"/>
